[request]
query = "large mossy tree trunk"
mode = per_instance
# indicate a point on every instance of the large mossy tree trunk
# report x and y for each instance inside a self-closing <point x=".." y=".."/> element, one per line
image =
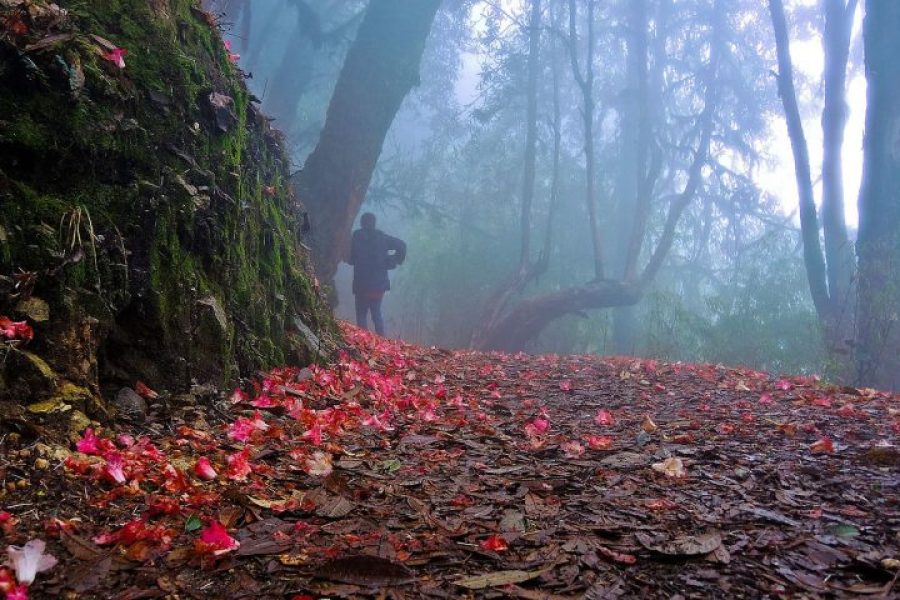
<point x="148" y="230"/>
<point x="381" y="67"/>
<point x="878" y="243"/>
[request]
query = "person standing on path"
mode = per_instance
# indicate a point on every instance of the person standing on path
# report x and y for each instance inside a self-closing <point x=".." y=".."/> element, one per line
<point x="373" y="253"/>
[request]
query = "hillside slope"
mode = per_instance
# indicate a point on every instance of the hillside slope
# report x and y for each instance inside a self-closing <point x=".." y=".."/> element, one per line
<point x="147" y="230"/>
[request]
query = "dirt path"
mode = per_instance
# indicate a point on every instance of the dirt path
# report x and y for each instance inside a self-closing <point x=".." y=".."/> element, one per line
<point x="408" y="472"/>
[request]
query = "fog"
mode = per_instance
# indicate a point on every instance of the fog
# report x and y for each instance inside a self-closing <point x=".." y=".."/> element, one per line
<point x="687" y="245"/>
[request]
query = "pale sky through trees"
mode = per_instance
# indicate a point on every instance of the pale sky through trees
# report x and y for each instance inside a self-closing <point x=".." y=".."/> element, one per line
<point x="779" y="180"/>
<point x="776" y="179"/>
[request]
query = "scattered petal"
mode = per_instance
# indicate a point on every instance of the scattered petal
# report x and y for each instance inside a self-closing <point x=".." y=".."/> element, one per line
<point x="214" y="539"/>
<point x="116" y="56"/>
<point x="29" y="560"/>
<point x="494" y="543"/>
<point x="822" y="446"/>
<point x="537" y="427"/>
<point x="204" y="470"/>
<point x="604" y="418"/>
<point x="572" y="449"/>
<point x="671" y="467"/>
<point x="319" y="464"/>
<point x="599" y="442"/>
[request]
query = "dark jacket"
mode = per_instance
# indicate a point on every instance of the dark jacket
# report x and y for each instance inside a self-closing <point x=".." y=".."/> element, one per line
<point x="371" y="257"/>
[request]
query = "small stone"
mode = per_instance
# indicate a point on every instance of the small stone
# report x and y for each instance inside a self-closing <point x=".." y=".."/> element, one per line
<point x="35" y="309"/>
<point x="52" y="405"/>
<point x="130" y="405"/>
<point x="213" y="308"/>
<point x="29" y="376"/>
<point x="885" y="456"/>
<point x="41" y="464"/>
<point x="891" y="564"/>
<point x="222" y="107"/>
<point x="187" y="187"/>
<point x="312" y="341"/>
<point x="22" y="484"/>
<point x="78" y="422"/>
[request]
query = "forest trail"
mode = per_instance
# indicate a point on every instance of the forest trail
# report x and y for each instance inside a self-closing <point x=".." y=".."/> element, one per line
<point x="408" y="472"/>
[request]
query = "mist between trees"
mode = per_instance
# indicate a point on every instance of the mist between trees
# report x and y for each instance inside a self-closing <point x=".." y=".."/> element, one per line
<point x="584" y="175"/>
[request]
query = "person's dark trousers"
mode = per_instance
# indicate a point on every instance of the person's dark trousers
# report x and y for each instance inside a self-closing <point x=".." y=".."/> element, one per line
<point x="364" y="305"/>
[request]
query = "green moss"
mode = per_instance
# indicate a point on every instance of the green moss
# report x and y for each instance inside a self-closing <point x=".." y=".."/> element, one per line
<point x="40" y="365"/>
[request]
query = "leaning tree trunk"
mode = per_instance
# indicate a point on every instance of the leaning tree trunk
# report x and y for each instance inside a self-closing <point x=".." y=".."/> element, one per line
<point x="381" y="68"/>
<point x="526" y="321"/>
<point x="878" y="243"/>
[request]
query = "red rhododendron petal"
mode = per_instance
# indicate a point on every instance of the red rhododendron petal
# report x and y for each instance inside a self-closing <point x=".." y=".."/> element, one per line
<point x="823" y="446"/>
<point x="88" y="443"/>
<point x="495" y="543"/>
<point x="204" y="470"/>
<point x="15" y="330"/>
<point x="145" y="392"/>
<point x="599" y="442"/>
<point x="604" y="418"/>
<point x="536" y="427"/>
<point x="237" y="396"/>
<point x="239" y="466"/>
<point x="115" y="467"/>
<point x="214" y="539"/>
<point x="572" y="449"/>
<point x="116" y="56"/>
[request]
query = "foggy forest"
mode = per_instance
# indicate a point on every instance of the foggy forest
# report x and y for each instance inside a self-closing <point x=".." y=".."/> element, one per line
<point x="708" y="216"/>
<point x="542" y="299"/>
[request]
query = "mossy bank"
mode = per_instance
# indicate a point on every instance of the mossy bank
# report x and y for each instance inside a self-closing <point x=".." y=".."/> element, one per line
<point x="147" y="232"/>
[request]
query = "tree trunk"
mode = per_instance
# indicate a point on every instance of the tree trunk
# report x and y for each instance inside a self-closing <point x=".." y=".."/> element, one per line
<point x="878" y="244"/>
<point x="809" y="221"/>
<point x="534" y="46"/>
<point x="830" y="276"/>
<point x="526" y="270"/>
<point x="381" y="67"/>
<point x="632" y="197"/>
<point x="586" y="85"/>
<point x="839" y="259"/>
